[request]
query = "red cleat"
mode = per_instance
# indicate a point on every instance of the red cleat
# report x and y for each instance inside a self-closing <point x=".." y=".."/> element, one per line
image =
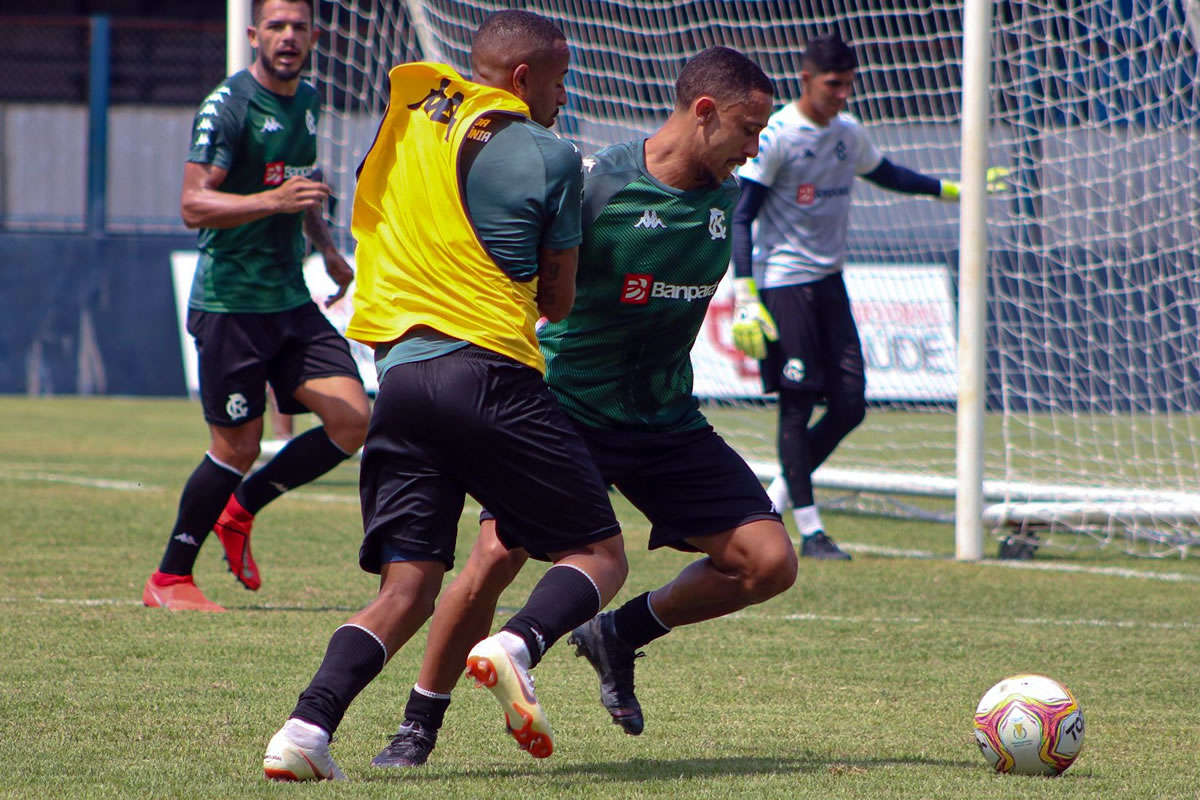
<point x="175" y="593"/>
<point x="233" y="529"/>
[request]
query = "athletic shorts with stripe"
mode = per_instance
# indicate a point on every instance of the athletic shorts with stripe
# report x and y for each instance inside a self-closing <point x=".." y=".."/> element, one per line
<point x="239" y="354"/>
<point x="819" y="348"/>
<point x="473" y="422"/>
<point x="687" y="483"/>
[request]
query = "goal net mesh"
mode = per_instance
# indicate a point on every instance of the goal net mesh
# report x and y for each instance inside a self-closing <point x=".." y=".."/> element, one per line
<point x="1093" y="377"/>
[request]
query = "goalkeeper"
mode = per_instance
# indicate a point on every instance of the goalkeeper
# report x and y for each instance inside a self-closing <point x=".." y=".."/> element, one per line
<point x="800" y="327"/>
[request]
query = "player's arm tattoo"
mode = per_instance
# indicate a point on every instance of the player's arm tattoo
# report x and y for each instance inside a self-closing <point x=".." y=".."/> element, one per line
<point x="548" y="279"/>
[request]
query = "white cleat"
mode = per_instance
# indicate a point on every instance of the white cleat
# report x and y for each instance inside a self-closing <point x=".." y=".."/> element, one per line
<point x="493" y="668"/>
<point x="288" y="760"/>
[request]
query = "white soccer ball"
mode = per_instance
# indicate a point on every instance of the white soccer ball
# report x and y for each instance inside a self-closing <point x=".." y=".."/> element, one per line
<point x="1029" y="725"/>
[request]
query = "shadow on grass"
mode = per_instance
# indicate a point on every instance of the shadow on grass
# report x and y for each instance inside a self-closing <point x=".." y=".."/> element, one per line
<point x="641" y="769"/>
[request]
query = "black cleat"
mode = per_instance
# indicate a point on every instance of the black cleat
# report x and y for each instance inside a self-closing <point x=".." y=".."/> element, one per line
<point x="597" y="641"/>
<point x="821" y="546"/>
<point x="410" y="747"/>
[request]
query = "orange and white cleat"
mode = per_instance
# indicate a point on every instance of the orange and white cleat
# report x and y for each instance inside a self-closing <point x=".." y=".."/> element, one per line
<point x="494" y="669"/>
<point x="175" y="593"/>
<point x="233" y="529"/>
<point x="297" y="753"/>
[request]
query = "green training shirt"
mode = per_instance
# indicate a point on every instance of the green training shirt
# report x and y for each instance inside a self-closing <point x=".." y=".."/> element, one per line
<point x="651" y="259"/>
<point x="261" y="139"/>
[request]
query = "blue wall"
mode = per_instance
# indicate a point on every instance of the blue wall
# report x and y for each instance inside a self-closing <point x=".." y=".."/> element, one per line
<point x="55" y="290"/>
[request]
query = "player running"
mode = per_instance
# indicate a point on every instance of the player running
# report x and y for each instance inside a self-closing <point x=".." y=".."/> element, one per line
<point x="249" y="185"/>
<point x="467" y="216"/>
<point x="656" y="244"/>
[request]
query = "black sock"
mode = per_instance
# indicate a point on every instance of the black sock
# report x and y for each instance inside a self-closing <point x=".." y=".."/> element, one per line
<point x="352" y="660"/>
<point x="563" y="599"/>
<point x="203" y="499"/>
<point x="636" y="623"/>
<point x="305" y="458"/>
<point x="425" y="710"/>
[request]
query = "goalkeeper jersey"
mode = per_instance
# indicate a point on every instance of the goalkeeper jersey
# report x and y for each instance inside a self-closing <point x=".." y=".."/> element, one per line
<point x="420" y="259"/>
<point x="800" y="232"/>
<point x="261" y="139"/>
<point x="651" y="259"/>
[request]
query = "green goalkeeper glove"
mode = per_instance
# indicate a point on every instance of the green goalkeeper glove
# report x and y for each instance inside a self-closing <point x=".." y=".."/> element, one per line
<point x="752" y="323"/>
<point x="994" y="180"/>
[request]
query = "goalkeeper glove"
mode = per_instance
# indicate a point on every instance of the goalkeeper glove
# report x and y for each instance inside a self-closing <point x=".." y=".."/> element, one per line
<point x="994" y="181"/>
<point x="752" y="323"/>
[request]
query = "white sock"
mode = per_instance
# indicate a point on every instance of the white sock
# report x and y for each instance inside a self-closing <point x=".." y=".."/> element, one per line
<point x="515" y="646"/>
<point x="778" y="493"/>
<point x="808" y="520"/>
<point x="305" y="733"/>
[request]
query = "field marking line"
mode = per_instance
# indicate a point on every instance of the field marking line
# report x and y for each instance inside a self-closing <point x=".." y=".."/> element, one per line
<point x="1045" y="566"/>
<point x="93" y="483"/>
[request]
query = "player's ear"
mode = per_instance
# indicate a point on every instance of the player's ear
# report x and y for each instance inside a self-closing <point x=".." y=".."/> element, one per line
<point x="704" y="109"/>
<point x="520" y="80"/>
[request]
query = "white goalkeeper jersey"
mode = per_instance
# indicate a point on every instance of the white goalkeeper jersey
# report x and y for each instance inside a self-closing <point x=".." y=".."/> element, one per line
<point x="800" y="231"/>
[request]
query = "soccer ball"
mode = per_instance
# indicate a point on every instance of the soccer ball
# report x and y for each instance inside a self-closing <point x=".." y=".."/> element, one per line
<point x="1029" y="725"/>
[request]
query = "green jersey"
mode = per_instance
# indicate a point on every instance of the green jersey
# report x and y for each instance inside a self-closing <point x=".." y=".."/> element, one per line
<point x="651" y="259"/>
<point x="261" y="139"/>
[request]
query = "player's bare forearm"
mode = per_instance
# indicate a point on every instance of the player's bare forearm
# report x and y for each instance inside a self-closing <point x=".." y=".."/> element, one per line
<point x="208" y="208"/>
<point x="318" y="231"/>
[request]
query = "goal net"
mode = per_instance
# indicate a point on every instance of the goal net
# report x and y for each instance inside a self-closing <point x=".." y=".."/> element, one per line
<point x="1093" y="377"/>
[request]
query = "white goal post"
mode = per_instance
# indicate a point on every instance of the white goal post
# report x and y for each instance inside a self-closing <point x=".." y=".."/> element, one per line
<point x="1075" y="371"/>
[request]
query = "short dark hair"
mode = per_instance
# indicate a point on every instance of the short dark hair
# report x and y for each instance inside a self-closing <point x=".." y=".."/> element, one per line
<point x="256" y="9"/>
<point x="828" y="54"/>
<point x="723" y="74"/>
<point x="520" y="33"/>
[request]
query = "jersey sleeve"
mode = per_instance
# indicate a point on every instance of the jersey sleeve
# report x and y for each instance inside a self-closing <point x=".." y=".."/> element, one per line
<point x="564" y="197"/>
<point x="869" y="157"/>
<point x="763" y="168"/>
<point x="215" y="130"/>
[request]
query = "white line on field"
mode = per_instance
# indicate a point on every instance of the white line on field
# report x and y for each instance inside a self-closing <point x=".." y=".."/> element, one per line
<point x="94" y="483"/>
<point x="1046" y="566"/>
<point x="989" y="621"/>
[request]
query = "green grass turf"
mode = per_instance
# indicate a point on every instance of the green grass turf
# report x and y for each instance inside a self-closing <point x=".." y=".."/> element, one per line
<point x="859" y="682"/>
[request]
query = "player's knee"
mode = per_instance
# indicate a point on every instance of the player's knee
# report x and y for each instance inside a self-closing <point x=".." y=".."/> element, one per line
<point x="773" y="571"/>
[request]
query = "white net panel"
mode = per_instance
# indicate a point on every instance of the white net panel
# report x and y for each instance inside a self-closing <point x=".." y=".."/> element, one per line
<point x="1093" y="373"/>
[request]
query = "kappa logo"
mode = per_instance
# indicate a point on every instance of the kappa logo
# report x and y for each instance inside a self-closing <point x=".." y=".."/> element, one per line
<point x="310" y="121"/>
<point x="236" y="406"/>
<point x="202" y="140"/>
<point x="270" y="125"/>
<point x="806" y="193"/>
<point x="649" y="219"/>
<point x="840" y="150"/>
<point x="636" y="290"/>
<point x="808" y="154"/>
<point x="186" y="538"/>
<point x="589" y="163"/>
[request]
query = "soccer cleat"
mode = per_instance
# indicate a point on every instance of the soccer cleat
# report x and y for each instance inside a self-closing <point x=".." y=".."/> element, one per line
<point x="493" y="668"/>
<point x="233" y="529"/>
<point x="175" y="593"/>
<point x="597" y="641"/>
<point x="410" y="747"/>
<point x="821" y="546"/>
<point x="288" y="760"/>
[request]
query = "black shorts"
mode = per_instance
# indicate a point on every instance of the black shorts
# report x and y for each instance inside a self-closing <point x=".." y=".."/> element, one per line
<point x="239" y="354"/>
<point x="818" y="348"/>
<point x="478" y="423"/>
<point x="687" y="484"/>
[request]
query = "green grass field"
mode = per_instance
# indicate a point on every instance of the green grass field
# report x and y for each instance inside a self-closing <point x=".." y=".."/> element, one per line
<point x="860" y="682"/>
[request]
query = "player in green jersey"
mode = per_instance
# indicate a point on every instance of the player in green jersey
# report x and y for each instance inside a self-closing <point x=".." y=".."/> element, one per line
<point x="249" y="186"/>
<point x="655" y="245"/>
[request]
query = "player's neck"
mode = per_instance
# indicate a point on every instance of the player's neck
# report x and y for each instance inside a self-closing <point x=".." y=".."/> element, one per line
<point x="669" y="160"/>
<point x="807" y="109"/>
<point x="271" y="83"/>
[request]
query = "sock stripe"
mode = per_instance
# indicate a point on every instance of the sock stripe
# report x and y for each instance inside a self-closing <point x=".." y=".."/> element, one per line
<point x="596" y="588"/>
<point x="223" y="465"/>
<point x="426" y="693"/>
<point x="369" y="633"/>
<point x="650" y="608"/>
